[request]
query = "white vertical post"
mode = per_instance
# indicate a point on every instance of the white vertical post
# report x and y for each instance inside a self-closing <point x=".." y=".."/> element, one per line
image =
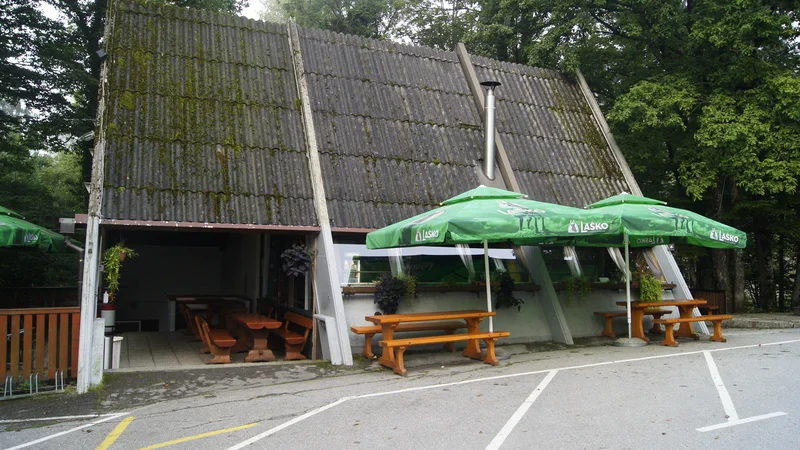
<point x="628" y="283"/>
<point x="329" y="298"/>
<point x="488" y="283"/>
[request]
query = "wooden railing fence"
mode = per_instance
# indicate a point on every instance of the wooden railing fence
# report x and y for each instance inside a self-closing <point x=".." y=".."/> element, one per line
<point x="39" y="341"/>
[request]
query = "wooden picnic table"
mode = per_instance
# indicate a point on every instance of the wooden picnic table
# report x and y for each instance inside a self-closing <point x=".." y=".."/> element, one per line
<point x="254" y="332"/>
<point x="685" y="308"/>
<point x="472" y="318"/>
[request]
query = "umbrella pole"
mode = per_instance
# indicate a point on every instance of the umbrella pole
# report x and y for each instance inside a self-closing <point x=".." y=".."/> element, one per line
<point x="629" y="341"/>
<point x="628" y="283"/>
<point x="489" y="283"/>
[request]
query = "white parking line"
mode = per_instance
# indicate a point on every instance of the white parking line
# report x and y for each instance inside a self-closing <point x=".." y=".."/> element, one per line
<point x="519" y="413"/>
<point x="43" y="419"/>
<point x="724" y="396"/>
<point x="47" y="438"/>
<point x="740" y="421"/>
<point x="288" y="424"/>
<point x="727" y="402"/>
<point x="497" y="377"/>
<point x="435" y="386"/>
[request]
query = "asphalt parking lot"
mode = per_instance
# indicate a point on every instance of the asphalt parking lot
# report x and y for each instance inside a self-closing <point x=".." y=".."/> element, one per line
<point x="739" y="394"/>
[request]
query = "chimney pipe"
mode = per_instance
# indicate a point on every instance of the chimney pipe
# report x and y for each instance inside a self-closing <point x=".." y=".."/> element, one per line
<point x="488" y="158"/>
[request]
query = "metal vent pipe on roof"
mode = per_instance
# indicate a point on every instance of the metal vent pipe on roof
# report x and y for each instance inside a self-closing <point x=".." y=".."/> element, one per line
<point x="488" y="159"/>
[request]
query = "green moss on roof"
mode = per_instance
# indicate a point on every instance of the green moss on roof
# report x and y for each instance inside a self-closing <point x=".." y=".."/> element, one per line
<point x="127" y="100"/>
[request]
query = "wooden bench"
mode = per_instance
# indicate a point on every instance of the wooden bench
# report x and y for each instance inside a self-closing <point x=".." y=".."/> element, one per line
<point x="371" y="330"/>
<point x="400" y="345"/>
<point x="610" y="315"/>
<point x="294" y="342"/>
<point x="669" y="324"/>
<point x="191" y="324"/>
<point x="218" y="342"/>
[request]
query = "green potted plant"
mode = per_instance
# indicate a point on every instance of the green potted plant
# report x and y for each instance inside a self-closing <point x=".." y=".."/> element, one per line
<point x="580" y="284"/>
<point x="504" y="294"/>
<point x="410" y="282"/>
<point x="650" y="289"/>
<point x="113" y="258"/>
<point x="296" y="260"/>
<point x="388" y="292"/>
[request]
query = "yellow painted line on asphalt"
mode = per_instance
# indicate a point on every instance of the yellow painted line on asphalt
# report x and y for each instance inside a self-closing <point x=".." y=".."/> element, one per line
<point x="199" y="436"/>
<point x="115" y="433"/>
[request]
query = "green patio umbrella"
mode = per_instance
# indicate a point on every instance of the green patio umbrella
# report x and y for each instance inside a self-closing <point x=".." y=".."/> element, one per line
<point x="492" y="215"/>
<point x="646" y="222"/>
<point x="484" y="215"/>
<point x="16" y="232"/>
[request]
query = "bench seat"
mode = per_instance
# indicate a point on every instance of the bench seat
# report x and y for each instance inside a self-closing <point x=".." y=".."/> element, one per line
<point x="669" y="325"/>
<point x="400" y="345"/>
<point x="294" y="341"/>
<point x="191" y="324"/>
<point x="290" y="336"/>
<point x="371" y="330"/>
<point x="609" y="316"/>
<point x="218" y="341"/>
<point x="222" y="338"/>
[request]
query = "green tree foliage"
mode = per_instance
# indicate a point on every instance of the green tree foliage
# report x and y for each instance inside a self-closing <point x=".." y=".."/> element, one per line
<point x="30" y="53"/>
<point x="701" y="83"/>
<point x="48" y="98"/>
<point x="441" y="24"/>
<point x="702" y="96"/>
<point x="42" y="188"/>
<point x="425" y="22"/>
<point x="378" y="19"/>
<point x="230" y="6"/>
<point x="52" y="66"/>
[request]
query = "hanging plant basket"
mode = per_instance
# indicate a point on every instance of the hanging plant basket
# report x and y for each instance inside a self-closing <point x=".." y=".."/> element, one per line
<point x="112" y="265"/>
<point x="296" y="260"/>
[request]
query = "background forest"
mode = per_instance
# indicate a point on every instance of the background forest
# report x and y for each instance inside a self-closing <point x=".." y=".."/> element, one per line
<point x="703" y="97"/>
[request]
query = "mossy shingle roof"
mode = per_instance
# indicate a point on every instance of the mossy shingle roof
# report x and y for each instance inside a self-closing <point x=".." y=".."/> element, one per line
<point x="202" y="120"/>
<point x="204" y="125"/>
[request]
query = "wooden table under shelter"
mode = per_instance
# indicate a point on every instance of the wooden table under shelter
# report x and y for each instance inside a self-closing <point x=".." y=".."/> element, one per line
<point x="253" y="332"/>
<point x="685" y="308"/>
<point x="393" y="349"/>
<point x="218" y="303"/>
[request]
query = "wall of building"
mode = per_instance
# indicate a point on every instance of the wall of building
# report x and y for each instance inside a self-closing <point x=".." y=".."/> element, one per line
<point x="580" y="315"/>
<point x="161" y="270"/>
<point x="526" y="325"/>
<point x="240" y="265"/>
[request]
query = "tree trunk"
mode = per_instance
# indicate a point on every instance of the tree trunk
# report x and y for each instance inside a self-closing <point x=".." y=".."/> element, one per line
<point x="781" y="273"/>
<point x="766" y="278"/>
<point x="796" y="290"/>
<point x="736" y="260"/>
<point x="721" y="267"/>
<point x="723" y="278"/>
<point x="739" y="299"/>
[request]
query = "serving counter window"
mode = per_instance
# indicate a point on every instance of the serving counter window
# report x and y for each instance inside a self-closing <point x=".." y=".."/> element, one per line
<point x="358" y="265"/>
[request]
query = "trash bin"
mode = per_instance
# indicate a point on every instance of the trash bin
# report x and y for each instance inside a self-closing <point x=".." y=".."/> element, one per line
<point x="117" y="351"/>
<point x="112" y="350"/>
<point x="108" y="313"/>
